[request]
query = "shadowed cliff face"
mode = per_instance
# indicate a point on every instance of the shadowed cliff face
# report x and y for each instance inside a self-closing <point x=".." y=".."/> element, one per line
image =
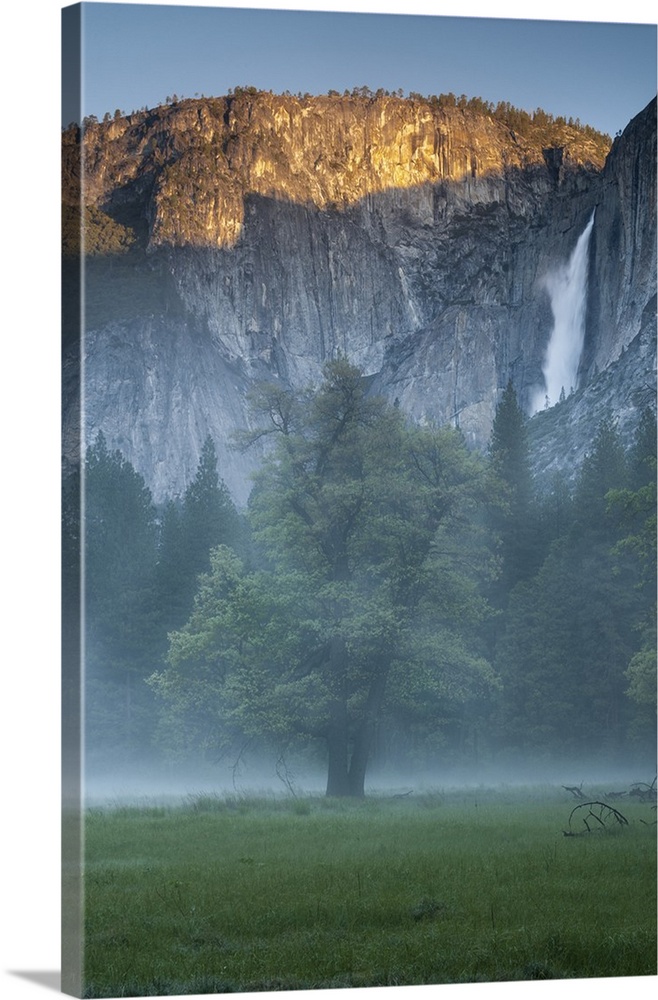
<point x="254" y="238"/>
<point x="193" y="164"/>
<point x="623" y="261"/>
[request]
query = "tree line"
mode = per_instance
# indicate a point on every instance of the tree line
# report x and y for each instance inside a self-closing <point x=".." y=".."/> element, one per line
<point x="525" y="123"/>
<point x="387" y="597"/>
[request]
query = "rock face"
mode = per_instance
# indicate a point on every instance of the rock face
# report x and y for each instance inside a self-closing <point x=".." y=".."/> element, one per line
<point x="623" y="269"/>
<point x="254" y="237"/>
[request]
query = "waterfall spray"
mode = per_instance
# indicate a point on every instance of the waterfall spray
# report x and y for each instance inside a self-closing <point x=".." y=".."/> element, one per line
<point x="567" y="288"/>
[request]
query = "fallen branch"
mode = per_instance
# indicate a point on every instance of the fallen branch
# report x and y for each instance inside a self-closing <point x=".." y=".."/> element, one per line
<point x="597" y="813"/>
<point x="644" y="791"/>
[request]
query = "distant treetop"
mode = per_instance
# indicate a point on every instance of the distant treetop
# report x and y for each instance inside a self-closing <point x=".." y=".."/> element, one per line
<point x="537" y="124"/>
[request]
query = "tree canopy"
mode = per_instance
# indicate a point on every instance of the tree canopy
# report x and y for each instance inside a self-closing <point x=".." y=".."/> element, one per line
<point x="570" y="640"/>
<point x="370" y="561"/>
<point x="388" y="595"/>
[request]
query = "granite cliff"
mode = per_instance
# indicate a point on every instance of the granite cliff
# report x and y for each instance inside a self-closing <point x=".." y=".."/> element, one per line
<point x="252" y="237"/>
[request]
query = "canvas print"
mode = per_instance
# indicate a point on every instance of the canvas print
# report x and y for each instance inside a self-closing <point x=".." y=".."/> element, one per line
<point x="358" y="495"/>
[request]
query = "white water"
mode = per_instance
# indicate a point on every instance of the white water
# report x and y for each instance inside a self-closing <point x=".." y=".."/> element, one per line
<point x="567" y="288"/>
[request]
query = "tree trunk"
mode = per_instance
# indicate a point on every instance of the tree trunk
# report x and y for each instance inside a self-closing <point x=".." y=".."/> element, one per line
<point x="358" y="764"/>
<point x="337" y="773"/>
<point x="366" y="731"/>
<point x="337" y="733"/>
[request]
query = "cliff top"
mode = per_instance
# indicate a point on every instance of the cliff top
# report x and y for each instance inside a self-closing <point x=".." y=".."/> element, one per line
<point x="537" y="126"/>
<point x="193" y="161"/>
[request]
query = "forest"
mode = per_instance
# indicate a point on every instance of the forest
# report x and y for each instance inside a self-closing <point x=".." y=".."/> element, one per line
<point x="388" y="599"/>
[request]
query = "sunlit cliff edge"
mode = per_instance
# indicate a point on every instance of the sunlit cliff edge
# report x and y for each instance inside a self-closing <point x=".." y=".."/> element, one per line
<point x="197" y="160"/>
<point x="251" y="237"/>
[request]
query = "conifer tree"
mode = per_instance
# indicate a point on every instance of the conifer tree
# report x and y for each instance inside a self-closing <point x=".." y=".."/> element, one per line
<point x="516" y="520"/>
<point x="119" y="540"/>
<point x="570" y="629"/>
<point x="206" y="517"/>
<point x="119" y="548"/>
<point x="604" y="468"/>
<point x="635" y="508"/>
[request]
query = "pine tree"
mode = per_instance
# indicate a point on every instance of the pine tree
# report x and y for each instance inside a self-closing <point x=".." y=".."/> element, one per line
<point x="208" y="515"/>
<point x="119" y="549"/>
<point x="173" y="583"/>
<point x="604" y="468"/>
<point x="570" y="630"/>
<point x="205" y="518"/>
<point x="516" y="521"/>
<point x="556" y="514"/>
<point x="119" y="535"/>
<point x="642" y="459"/>
<point x="635" y="509"/>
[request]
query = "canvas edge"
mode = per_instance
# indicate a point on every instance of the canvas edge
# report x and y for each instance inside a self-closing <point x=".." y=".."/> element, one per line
<point x="72" y="910"/>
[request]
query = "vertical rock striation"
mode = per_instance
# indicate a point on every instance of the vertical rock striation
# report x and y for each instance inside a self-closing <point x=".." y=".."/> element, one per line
<point x="253" y="237"/>
<point x="622" y="294"/>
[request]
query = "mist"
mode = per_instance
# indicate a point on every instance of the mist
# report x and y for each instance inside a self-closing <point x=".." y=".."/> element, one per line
<point x="567" y="288"/>
<point x="174" y="784"/>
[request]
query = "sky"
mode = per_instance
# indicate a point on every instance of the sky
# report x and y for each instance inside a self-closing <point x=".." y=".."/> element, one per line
<point x="29" y="423"/>
<point x="137" y="55"/>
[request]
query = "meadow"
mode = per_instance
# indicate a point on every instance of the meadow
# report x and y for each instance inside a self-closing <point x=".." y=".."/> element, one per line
<point x="233" y="893"/>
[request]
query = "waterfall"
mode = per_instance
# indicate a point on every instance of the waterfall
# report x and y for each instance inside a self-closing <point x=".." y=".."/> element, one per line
<point x="567" y="288"/>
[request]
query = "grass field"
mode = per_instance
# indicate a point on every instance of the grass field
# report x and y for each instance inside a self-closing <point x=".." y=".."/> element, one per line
<point x="226" y="894"/>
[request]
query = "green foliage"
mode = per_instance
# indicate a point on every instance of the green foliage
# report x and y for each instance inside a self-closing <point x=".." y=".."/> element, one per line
<point x="119" y="541"/>
<point x="635" y="508"/>
<point x="209" y="517"/>
<point x="206" y="517"/>
<point x="139" y="576"/>
<point x="516" y="519"/>
<point x="571" y="630"/>
<point x="603" y="469"/>
<point x="102" y="234"/>
<point x="119" y="549"/>
<point x="641" y="674"/>
<point x="370" y="563"/>
<point x="348" y="617"/>
<point x="556" y="509"/>
<point x="635" y="505"/>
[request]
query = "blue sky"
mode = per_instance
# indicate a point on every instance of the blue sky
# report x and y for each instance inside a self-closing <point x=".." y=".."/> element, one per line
<point x="139" y="54"/>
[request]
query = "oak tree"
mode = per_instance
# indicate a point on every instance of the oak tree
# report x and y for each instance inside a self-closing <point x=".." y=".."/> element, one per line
<point x="371" y="552"/>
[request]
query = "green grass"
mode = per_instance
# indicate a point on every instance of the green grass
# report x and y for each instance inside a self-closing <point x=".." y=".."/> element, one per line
<point x="237" y="893"/>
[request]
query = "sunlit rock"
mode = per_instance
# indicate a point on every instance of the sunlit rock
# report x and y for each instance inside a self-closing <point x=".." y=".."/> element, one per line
<point x="254" y="237"/>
